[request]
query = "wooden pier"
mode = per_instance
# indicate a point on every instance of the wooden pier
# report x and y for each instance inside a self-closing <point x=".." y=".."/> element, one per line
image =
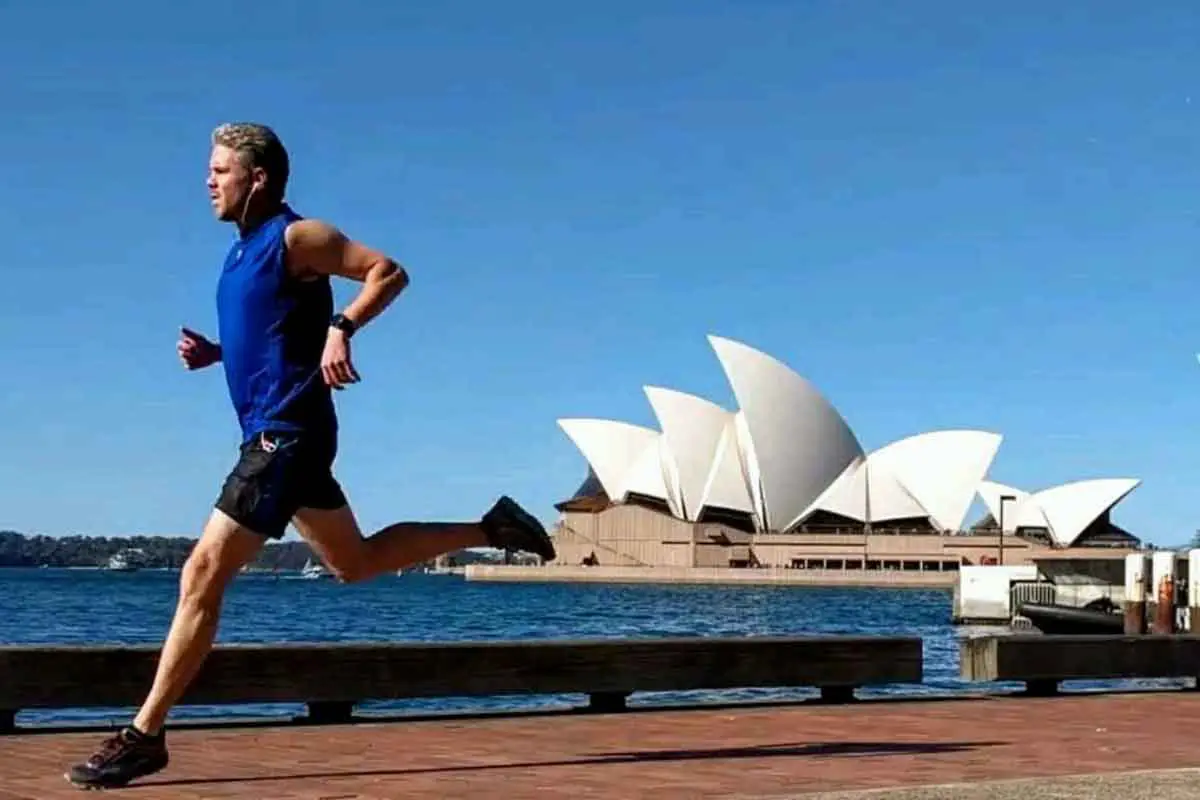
<point x="833" y="743"/>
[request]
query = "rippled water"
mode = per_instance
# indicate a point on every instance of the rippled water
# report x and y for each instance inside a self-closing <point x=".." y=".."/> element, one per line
<point x="94" y="606"/>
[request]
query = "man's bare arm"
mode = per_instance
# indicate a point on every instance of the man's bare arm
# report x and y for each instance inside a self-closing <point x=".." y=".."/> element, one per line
<point x="317" y="248"/>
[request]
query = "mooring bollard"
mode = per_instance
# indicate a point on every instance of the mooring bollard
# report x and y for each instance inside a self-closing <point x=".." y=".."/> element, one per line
<point x="1193" y="587"/>
<point x="1137" y="569"/>
<point x="1162" y="568"/>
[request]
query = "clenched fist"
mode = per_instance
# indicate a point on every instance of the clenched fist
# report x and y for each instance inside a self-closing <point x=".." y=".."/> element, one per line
<point x="335" y="361"/>
<point x="195" y="351"/>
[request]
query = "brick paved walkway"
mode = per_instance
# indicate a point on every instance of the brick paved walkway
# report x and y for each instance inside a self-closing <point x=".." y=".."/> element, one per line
<point x="743" y="753"/>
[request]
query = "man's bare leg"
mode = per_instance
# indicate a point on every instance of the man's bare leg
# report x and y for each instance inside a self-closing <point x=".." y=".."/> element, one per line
<point x="140" y="750"/>
<point x="335" y="537"/>
<point x="223" y="548"/>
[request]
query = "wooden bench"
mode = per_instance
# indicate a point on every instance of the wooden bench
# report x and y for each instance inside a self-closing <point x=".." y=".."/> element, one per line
<point x="1042" y="662"/>
<point x="331" y="677"/>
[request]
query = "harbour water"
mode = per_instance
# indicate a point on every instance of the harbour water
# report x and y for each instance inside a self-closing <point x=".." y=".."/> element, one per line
<point x="98" y="606"/>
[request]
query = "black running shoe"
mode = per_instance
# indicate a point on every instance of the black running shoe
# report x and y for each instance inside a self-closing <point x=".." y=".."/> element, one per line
<point x="510" y="527"/>
<point x="124" y="757"/>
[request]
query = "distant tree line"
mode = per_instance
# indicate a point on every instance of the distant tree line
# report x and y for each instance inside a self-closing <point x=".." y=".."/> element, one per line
<point x="19" y="550"/>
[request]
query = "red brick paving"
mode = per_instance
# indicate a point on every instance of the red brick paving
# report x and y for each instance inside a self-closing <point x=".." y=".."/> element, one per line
<point x="746" y="752"/>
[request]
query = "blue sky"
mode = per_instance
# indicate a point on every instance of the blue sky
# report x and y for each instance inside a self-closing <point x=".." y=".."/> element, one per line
<point x="943" y="214"/>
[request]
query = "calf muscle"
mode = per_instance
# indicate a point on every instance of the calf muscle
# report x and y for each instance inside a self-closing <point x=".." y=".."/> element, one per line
<point x="335" y="537"/>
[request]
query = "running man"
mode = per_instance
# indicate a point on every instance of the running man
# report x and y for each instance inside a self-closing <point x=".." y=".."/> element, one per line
<point x="284" y="351"/>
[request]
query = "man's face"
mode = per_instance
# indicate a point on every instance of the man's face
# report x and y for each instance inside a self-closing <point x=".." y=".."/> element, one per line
<point x="229" y="183"/>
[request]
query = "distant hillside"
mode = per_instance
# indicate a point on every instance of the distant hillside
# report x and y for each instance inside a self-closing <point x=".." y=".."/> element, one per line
<point x="19" y="550"/>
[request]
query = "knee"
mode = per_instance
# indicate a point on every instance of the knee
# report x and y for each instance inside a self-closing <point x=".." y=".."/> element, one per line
<point x="202" y="580"/>
<point x="348" y="564"/>
<point x="350" y="570"/>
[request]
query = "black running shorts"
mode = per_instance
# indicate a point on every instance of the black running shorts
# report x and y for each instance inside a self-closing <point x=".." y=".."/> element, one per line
<point x="276" y="475"/>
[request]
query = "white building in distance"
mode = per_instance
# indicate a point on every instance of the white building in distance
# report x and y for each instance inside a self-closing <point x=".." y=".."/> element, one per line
<point x="786" y="462"/>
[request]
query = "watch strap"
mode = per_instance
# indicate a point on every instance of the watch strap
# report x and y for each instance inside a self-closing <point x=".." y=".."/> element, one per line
<point x="343" y="323"/>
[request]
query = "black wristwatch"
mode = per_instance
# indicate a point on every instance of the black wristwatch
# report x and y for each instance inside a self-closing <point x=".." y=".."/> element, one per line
<point x="343" y="324"/>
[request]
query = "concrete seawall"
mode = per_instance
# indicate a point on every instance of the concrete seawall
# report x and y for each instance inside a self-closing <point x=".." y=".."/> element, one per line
<point x="711" y="575"/>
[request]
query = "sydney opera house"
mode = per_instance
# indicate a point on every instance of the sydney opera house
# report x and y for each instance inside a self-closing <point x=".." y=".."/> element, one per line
<point x="783" y="481"/>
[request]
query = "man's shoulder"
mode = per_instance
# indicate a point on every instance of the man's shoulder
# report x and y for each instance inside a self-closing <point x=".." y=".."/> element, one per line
<point x="305" y="239"/>
<point x="308" y="232"/>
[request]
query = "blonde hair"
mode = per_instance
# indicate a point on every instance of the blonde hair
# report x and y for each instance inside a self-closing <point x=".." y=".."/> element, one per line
<point x="257" y="146"/>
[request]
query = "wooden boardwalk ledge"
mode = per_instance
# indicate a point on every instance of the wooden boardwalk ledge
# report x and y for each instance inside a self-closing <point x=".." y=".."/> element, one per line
<point x="794" y="750"/>
<point x="331" y="677"/>
<point x="1043" y="662"/>
<point x="782" y="751"/>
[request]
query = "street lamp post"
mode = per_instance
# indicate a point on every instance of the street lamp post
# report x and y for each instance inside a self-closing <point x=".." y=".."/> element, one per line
<point x="1003" y="499"/>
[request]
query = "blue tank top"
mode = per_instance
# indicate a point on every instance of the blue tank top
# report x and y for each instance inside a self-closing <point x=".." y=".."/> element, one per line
<point x="272" y="330"/>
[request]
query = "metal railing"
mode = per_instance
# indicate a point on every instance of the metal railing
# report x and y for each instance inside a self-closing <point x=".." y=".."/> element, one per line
<point x="1041" y="592"/>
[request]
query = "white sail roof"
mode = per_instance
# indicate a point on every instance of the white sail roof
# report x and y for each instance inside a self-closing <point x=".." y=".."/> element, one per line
<point x="933" y="475"/>
<point x="801" y="444"/>
<point x="612" y="448"/>
<point x="786" y="453"/>
<point x="940" y="470"/>
<point x="692" y="429"/>
<point x="1065" y="510"/>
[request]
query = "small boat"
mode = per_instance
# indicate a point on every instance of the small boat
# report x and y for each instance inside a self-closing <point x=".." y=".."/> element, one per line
<point x="124" y="561"/>
<point x="1095" y="617"/>
<point x="313" y="571"/>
